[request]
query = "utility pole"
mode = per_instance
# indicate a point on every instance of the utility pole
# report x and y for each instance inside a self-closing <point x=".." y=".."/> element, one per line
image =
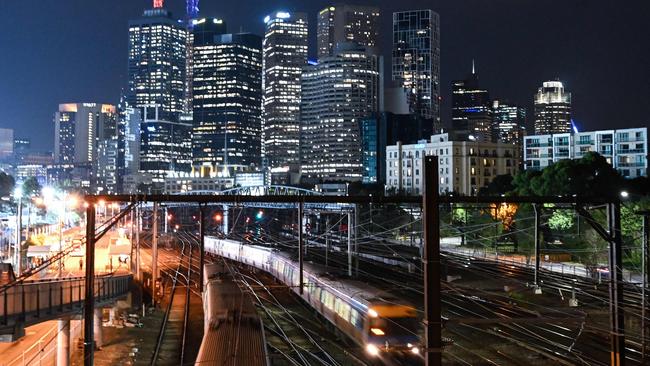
<point x="202" y="243"/>
<point x="431" y="263"/>
<point x="327" y="239"/>
<point x="19" y="235"/>
<point x="89" y="300"/>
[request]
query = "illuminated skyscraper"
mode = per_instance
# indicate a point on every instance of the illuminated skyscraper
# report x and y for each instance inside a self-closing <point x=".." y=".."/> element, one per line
<point x="509" y="123"/>
<point x="347" y="23"/>
<point x="86" y="134"/>
<point x="78" y="128"/>
<point x="552" y="109"/>
<point x="227" y="103"/>
<point x="471" y="110"/>
<point x="416" y="60"/>
<point x="157" y="64"/>
<point x="284" y="55"/>
<point x="337" y="94"/>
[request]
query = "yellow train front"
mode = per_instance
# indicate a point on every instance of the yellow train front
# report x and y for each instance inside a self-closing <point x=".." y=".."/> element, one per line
<point x="391" y="328"/>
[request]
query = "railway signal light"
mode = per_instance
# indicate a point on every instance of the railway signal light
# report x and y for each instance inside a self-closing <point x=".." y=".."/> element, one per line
<point x="217" y="217"/>
<point x="259" y="215"/>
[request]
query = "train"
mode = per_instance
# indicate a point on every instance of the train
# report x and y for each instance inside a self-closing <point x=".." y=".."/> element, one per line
<point x="375" y="320"/>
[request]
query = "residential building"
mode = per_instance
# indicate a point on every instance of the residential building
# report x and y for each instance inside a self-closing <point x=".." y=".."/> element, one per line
<point x="471" y="110"/>
<point x="347" y="23"/>
<point x="227" y="104"/>
<point x="552" y="109"/>
<point x="337" y="93"/>
<point x="625" y="149"/>
<point x="416" y="61"/>
<point x="464" y="166"/>
<point x="157" y="64"/>
<point x="508" y="123"/>
<point x="284" y="55"/>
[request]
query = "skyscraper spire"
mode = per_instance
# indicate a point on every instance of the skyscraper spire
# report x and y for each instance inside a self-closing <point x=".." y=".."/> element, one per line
<point x="473" y="68"/>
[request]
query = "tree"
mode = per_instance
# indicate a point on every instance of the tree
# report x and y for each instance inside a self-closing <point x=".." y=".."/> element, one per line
<point x="7" y="184"/>
<point x="591" y="176"/>
<point x="31" y="187"/>
<point x="501" y="184"/>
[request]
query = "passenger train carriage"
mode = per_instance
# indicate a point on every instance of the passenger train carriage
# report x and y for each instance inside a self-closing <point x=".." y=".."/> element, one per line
<point x="373" y="319"/>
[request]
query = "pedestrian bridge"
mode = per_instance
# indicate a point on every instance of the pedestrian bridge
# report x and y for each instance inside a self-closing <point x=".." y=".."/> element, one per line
<point x="31" y="302"/>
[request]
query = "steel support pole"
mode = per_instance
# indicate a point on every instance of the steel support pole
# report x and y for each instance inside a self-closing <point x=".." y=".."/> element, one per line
<point x="154" y="254"/>
<point x="356" y="243"/>
<point x="350" y="244"/>
<point x="538" y="238"/>
<point x="138" y="257"/>
<point x="431" y="263"/>
<point x="617" y="316"/>
<point x="202" y="244"/>
<point x="19" y="239"/>
<point x="301" y="245"/>
<point x="645" y="264"/>
<point x="327" y="240"/>
<point x="89" y="299"/>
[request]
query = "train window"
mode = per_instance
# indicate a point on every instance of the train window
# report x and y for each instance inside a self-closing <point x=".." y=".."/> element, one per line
<point x="327" y="299"/>
<point x="342" y="309"/>
<point x="356" y="319"/>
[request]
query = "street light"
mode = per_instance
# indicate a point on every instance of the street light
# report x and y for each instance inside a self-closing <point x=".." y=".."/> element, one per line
<point x="625" y="194"/>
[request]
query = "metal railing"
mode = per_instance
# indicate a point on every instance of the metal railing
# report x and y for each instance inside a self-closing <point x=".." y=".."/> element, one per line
<point x="31" y="301"/>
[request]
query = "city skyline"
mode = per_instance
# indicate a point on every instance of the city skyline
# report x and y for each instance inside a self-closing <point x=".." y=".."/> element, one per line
<point x="28" y="98"/>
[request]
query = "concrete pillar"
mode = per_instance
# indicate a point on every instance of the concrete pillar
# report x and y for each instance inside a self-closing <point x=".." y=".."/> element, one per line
<point x="111" y="315"/>
<point x="97" y="327"/>
<point x="63" y="342"/>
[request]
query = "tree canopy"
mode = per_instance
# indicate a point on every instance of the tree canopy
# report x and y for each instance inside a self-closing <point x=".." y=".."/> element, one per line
<point x="6" y="184"/>
<point x="31" y="187"/>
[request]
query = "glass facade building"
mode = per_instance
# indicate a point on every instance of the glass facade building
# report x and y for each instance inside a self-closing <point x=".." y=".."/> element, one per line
<point x="509" y="123"/>
<point x="227" y="103"/>
<point x="471" y="110"/>
<point x="157" y="64"/>
<point x="284" y="56"/>
<point x="416" y="60"/>
<point x="347" y="23"/>
<point x="552" y="109"/>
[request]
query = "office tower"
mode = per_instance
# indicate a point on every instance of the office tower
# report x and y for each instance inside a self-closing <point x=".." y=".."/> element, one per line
<point x="385" y="129"/>
<point x="284" y="55"/>
<point x="552" y="109"/>
<point x="625" y="149"/>
<point x="347" y="23"/>
<point x="227" y="89"/>
<point x="157" y="64"/>
<point x="471" y="110"/>
<point x="416" y="61"/>
<point x="6" y="143"/>
<point x="165" y="148"/>
<point x="79" y="127"/>
<point x="508" y="123"/>
<point x="337" y="93"/>
<point x="21" y="148"/>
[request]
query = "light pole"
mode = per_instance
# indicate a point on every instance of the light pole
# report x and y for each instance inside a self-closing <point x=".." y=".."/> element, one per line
<point x="18" y="193"/>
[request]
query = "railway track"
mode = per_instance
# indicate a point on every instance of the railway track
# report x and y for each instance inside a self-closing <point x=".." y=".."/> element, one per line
<point x="170" y="344"/>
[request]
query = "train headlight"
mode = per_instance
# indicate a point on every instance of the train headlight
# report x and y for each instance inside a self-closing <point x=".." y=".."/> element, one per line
<point x="372" y="349"/>
<point x="415" y="350"/>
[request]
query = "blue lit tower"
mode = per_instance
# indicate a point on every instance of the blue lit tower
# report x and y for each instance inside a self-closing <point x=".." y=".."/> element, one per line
<point x="192" y="8"/>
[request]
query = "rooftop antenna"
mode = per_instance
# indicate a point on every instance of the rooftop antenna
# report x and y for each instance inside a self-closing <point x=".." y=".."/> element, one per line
<point x="473" y="68"/>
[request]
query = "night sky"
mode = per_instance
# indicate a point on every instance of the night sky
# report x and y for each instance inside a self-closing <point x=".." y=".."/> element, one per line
<point x="54" y="51"/>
